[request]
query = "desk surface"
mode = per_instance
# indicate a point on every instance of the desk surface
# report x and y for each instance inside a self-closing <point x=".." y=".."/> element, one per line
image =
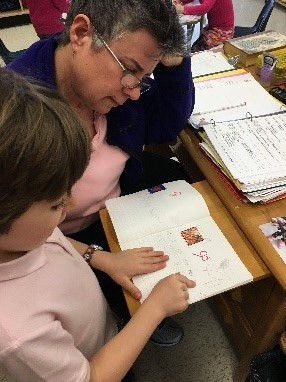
<point x="248" y="216"/>
<point x="227" y="225"/>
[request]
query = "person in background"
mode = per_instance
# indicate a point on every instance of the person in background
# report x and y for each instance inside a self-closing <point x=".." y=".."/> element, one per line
<point x="220" y="27"/>
<point x="100" y="65"/>
<point x="46" y="15"/>
<point x="55" y="323"/>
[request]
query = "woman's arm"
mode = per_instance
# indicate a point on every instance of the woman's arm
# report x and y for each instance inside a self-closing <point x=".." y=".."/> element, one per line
<point x="198" y="10"/>
<point x="170" y="101"/>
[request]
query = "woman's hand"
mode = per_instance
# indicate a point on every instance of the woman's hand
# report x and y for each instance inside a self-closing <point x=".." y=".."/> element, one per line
<point x="171" y="60"/>
<point x="122" y="266"/>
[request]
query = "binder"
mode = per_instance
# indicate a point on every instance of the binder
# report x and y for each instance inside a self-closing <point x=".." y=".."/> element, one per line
<point x="230" y="96"/>
<point x="251" y="154"/>
<point x="228" y="103"/>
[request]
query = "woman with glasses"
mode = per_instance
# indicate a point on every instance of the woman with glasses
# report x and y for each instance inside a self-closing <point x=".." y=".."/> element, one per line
<point x="101" y="65"/>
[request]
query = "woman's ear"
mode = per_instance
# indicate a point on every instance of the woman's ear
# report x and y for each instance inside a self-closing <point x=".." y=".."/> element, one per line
<point x="81" y="31"/>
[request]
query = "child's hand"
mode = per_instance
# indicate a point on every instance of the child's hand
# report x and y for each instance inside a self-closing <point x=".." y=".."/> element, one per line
<point x="122" y="266"/>
<point x="171" y="294"/>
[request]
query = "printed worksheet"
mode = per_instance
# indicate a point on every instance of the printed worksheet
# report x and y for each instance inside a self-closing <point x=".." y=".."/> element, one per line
<point x="252" y="149"/>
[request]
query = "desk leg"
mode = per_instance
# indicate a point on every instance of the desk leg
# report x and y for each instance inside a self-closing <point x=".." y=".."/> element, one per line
<point x="190" y="32"/>
<point x="267" y="334"/>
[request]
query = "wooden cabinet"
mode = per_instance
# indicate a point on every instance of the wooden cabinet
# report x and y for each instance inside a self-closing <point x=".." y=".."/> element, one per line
<point x="241" y="309"/>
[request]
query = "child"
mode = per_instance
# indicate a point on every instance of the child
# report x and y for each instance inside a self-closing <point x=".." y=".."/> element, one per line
<point x="46" y="16"/>
<point x="220" y="17"/>
<point x="55" y="324"/>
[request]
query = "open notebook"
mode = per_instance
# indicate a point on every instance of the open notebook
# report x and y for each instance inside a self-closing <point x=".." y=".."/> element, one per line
<point x="208" y="62"/>
<point x="230" y="96"/>
<point x="174" y="217"/>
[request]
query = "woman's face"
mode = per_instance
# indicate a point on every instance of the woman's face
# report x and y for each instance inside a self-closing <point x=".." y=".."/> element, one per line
<point x="96" y="76"/>
<point x="34" y="226"/>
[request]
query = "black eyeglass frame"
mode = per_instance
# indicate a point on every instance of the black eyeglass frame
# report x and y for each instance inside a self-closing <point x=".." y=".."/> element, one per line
<point x="143" y="84"/>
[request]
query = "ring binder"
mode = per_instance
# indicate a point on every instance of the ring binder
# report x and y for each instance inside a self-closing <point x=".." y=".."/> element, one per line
<point x="223" y="108"/>
<point x="216" y="94"/>
<point x="249" y="115"/>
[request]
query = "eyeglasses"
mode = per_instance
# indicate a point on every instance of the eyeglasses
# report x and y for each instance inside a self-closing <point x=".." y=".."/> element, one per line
<point x="128" y="79"/>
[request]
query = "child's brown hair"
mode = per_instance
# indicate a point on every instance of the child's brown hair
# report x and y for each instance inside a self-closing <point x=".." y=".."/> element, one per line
<point x="44" y="149"/>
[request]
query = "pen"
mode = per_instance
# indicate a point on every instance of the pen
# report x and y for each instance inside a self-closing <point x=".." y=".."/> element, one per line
<point x="220" y="109"/>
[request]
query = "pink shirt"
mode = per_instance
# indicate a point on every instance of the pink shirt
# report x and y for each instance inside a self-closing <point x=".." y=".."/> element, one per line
<point x="53" y="317"/>
<point x="219" y="12"/>
<point x="99" y="182"/>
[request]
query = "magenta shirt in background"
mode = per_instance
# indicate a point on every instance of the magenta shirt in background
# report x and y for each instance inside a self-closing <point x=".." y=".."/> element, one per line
<point x="46" y="15"/>
<point x="220" y="13"/>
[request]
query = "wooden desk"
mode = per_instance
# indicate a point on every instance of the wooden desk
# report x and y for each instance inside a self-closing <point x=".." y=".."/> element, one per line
<point x="190" y="21"/>
<point x="248" y="216"/>
<point x="243" y="248"/>
<point x="270" y="297"/>
<point x="227" y="225"/>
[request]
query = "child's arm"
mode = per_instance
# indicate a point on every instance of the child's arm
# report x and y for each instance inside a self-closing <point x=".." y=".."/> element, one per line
<point x="197" y="10"/>
<point x="122" y="266"/>
<point x="169" y="296"/>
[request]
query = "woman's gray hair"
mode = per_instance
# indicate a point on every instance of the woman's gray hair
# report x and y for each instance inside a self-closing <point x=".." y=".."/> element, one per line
<point x="111" y="18"/>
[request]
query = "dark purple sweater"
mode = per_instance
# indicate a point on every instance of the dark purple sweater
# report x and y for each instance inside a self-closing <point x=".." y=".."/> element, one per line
<point x="157" y="117"/>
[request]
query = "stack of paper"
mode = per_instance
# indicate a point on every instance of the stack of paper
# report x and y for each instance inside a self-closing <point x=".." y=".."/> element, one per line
<point x="243" y="131"/>
<point x="252" y="154"/>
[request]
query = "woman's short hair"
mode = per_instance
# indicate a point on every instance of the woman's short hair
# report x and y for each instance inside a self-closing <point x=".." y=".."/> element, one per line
<point x="111" y="18"/>
<point x="44" y="149"/>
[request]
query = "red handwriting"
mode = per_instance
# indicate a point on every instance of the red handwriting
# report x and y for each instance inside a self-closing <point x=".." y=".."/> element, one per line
<point x="203" y="255"/>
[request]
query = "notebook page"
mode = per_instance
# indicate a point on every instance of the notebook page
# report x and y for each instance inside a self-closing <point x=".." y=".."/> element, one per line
<point x="252" y="150"/>
<point x="231" y="98"/>
<point x="153" y="210"/>
<point x="208" y="62"/>
<point x="211" y="262"/>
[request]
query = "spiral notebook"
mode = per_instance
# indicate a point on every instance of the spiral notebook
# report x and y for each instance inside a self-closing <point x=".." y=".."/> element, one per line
<point x="230" y="96"/>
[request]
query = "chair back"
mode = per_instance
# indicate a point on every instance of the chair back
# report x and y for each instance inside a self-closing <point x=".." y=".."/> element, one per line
<point x="263" y="17"/>
<point x="7" y="55"/>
